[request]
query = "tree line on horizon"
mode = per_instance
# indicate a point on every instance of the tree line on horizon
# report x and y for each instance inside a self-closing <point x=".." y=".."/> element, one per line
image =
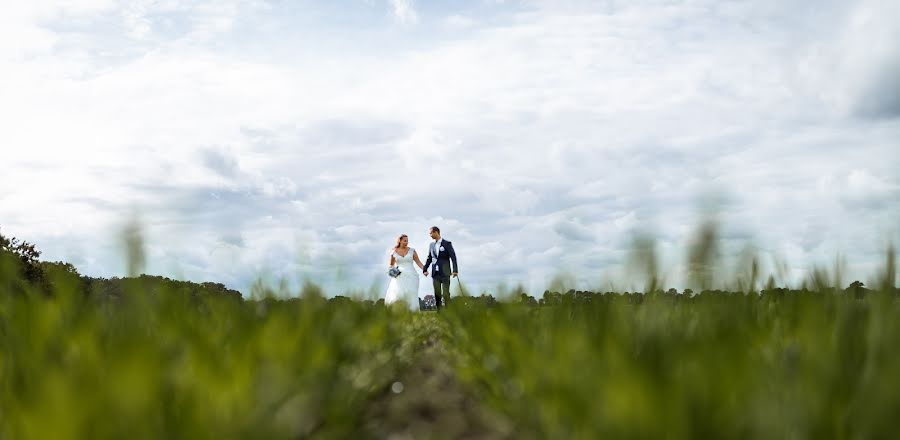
<point x="22" y="270"/>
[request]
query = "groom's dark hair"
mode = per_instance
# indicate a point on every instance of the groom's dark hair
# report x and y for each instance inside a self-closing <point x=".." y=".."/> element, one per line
<point x="435" y="229"/>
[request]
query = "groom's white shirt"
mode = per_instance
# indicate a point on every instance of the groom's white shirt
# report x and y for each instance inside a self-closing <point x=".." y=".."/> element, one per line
<point x="435" y="250"/>
<point x="437" y="246"/>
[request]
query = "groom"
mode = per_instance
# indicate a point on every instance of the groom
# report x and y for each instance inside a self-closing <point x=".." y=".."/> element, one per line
<point x="441" y="251"/>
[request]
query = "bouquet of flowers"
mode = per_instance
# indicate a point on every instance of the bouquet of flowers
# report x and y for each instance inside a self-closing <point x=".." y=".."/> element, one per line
<point x="394" y="271"/>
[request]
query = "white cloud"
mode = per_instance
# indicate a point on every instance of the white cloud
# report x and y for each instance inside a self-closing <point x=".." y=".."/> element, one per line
<point x="547" y="138"/>
<point x="404" y="11"/>
<point x="853" y="68"/>
<point x="458" y="21"/>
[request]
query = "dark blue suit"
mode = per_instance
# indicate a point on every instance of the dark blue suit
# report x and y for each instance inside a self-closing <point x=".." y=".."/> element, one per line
<point x="440" y="270"/>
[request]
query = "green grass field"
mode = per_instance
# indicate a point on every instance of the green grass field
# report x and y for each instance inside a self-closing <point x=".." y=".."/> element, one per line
<point x="155" y="363"/>
<point x="149" y="357"/>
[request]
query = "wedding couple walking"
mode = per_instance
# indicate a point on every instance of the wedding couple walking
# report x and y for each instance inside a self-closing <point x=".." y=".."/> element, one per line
<point x="404" y="285"/>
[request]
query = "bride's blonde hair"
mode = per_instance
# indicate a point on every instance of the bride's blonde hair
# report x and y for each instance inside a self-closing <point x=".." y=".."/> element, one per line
<point x="399" y="239"/>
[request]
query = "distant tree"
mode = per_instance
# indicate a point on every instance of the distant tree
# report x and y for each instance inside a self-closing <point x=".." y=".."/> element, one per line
<point x="26" y="251"/>
<point x="552" y="298"/>
<point x="857" y="288"/>
<point x="526" y="299"/>
<point x="27" y="255"/>
<point x="60" y="276"/>
<point x="339" y="299"/>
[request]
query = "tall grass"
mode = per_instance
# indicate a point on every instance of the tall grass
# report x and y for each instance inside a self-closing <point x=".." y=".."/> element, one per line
<point x="160" y="364"/>
<point x="780" y="365"/>
<point x="160" y="360"/>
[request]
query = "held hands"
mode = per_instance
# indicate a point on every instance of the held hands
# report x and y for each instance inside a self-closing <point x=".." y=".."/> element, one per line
<point x="454" y="274"/>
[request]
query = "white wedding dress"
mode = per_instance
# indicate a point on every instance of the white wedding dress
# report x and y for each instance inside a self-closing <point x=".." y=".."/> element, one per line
<point x="405" y="287"/>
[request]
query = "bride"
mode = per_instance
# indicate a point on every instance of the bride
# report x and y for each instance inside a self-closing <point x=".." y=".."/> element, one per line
<point x="404" y="287"/>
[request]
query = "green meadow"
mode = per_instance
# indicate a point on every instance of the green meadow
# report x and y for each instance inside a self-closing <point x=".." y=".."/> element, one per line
<point x="149" y="357"/>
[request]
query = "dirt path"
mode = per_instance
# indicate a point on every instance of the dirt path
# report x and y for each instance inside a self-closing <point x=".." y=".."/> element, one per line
<point x="427" y="400"/>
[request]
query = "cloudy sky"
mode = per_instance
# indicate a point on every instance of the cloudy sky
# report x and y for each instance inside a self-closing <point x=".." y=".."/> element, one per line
<point x="290" y="139"/>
